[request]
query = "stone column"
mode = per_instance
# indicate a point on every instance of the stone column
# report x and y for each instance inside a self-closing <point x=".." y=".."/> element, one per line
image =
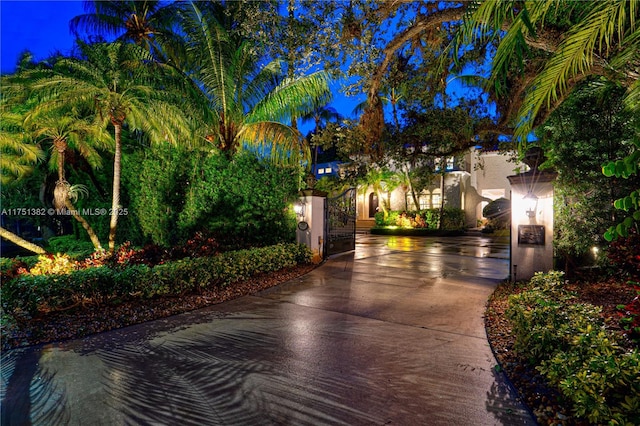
<point x="531" y="219"/>
<point x="311" y="223"/>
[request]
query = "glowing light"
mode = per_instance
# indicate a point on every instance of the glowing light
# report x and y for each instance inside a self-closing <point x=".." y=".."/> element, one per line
<point x="531" y="204"/>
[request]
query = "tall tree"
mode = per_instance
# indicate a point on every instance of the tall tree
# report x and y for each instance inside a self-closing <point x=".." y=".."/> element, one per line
<point x="320" y="117"/>
<point x="590" y="128"/>
<point x="18" y="155"/>
<point x="247" y="105"/>
<point x="120" y="84"/>
<point x="147" y="23"/>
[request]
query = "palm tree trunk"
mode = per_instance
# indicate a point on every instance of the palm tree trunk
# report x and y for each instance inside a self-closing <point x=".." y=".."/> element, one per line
<point x="85" y="225"/>
<point x="61" y="198"/>
<point x="115" y="201"/>
<point x="10" y="236"/>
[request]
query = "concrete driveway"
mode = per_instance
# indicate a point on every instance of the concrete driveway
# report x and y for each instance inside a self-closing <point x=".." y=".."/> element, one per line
<point x="391" y="334"/>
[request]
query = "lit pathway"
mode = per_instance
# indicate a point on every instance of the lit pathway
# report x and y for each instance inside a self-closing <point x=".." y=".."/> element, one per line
<point x="391" y="334"/>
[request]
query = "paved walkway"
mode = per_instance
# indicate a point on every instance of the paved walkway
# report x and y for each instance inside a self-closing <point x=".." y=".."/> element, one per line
<point x="391" y="334"/>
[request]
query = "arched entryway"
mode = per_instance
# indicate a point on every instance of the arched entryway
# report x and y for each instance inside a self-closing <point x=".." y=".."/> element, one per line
<point x="373" y="204"/>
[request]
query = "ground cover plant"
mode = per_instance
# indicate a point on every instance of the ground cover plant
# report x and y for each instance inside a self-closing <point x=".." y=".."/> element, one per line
<point x="568" y="347"/>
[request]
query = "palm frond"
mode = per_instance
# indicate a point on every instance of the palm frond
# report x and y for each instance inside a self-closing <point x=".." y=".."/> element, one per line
<point x="573" y="60"/>
<point x="282" y="143"/>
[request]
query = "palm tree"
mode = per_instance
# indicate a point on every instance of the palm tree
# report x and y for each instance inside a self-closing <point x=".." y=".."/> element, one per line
<point x="320" y="116"/>
<point x="601" y="39"/>
<point x="382" y="181"/>
<point x="246" y="104"/>
<point x="66" y="131"/>
<point x="18" y="152"/>
<point x="147" y="23"/>
<point x="118" y="82"/>
<point x="18" y="155"/>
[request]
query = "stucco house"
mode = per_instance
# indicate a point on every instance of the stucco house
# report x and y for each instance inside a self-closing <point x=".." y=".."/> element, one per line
<point x="469" y="183"/>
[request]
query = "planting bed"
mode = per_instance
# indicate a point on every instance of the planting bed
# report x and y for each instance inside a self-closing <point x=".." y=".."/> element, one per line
<point x="546" y="403"/>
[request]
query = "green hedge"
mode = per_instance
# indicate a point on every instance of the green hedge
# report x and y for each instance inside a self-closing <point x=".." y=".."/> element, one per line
<point x="36" y="293"/>
<point x="569" y="344"/>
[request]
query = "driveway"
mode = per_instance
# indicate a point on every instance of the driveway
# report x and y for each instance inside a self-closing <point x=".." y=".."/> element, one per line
<point x="391" y="334"/>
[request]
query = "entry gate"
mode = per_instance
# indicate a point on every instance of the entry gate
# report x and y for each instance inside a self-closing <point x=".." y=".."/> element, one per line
<point x="341" y="223"/>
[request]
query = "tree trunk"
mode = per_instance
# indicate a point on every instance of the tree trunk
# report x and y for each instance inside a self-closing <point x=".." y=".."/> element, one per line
<point x="416" y="202"/>
<point x="115" y="201"/>
<point x="10" y="236"/>
<point x="440" y="221"/>
<point x="85" y="225"/>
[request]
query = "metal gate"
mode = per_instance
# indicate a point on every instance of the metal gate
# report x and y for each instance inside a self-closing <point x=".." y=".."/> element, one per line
<point x="341" y="223"/>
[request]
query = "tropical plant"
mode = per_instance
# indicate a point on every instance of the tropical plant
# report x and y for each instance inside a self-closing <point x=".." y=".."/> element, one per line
<point x="382" y="181"/>
<point x="537" y="69"/>
<point x="18" y="155"/>
<point x="19" y="152"/>
<point x="246" y="105"/>
<point x="590" y="128"/>
<point x="320" y="117"/>
<point x="147" y="23"/>
<point x="119" y="83"/>
<point x="65" y="131"/>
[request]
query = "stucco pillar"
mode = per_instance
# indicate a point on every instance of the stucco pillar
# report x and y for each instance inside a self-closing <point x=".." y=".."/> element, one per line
<point x="311" y="221"/>
<point x="531" y="220"/>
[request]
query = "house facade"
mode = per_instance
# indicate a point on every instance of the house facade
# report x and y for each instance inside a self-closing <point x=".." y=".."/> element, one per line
<point x="469" y="183"/>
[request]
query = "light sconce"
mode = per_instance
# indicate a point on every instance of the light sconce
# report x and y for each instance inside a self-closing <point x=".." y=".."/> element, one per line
<point x="531" y="204"/>
<point x="299" y="208"/>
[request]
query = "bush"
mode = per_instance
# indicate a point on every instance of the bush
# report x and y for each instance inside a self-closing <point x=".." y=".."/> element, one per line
<point x="599" y="379"/>
<point x="571" y="347"/>
<point x="34" y="294"/>
<point x="452" y="219"/>
<point x="624" y="253"/>
<point x="70" y="245"/>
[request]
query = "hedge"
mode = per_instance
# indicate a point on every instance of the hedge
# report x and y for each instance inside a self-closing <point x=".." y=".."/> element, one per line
<point x="33" y="294"/>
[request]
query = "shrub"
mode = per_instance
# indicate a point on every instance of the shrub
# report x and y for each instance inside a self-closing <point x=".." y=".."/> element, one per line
<point x="452" y="219"/>
<point x="599" y="379"/>
<point x="624" y="253"/>
<point x="70" y="245"/>
<point x="95" y="285"/>
<point x="570" y="346"/>
<point x="544" y="319"/>
<point x="53" y="264"/>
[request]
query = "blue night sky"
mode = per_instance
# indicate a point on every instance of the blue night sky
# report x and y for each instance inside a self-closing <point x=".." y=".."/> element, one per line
<point x="40" y="26"/>
<point x="43" y="28"/>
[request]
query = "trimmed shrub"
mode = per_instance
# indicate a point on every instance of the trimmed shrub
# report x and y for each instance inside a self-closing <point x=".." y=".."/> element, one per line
<point x="34" y="294"/>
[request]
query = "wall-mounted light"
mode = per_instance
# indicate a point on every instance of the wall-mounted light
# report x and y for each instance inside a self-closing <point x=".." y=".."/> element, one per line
<point x="531" y="204"/>
<point x="299" y="208"/>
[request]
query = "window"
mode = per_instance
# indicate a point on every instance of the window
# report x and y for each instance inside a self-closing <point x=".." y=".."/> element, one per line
<point x="450" y="163"/>
<point x="436" y="201"/>
<point x="423" y="200"/>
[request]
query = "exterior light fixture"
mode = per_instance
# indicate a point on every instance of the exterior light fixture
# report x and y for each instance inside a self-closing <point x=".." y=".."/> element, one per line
<point x="531" y="204"/>
<point x="299" y="208"/>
